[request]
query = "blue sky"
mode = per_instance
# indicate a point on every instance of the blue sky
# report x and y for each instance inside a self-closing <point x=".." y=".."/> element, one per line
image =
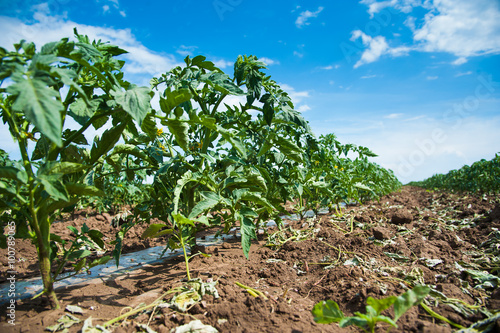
<point x="418" y="82"/>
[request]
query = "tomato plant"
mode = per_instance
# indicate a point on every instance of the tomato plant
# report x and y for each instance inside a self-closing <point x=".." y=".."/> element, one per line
<point x="327" y="312"/>
<point x="218" y="167"/>
<point x="81" y="80"/>
<point x="482" y="176"/>
<point x="214" y="163"/>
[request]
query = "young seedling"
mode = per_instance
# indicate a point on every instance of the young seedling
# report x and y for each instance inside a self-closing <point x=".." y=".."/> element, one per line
<point x="327" y="312"/>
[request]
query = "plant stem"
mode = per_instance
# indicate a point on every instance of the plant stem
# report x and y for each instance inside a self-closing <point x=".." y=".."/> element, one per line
<point x="251" y="291"/>
<point x="186" y="259"/>
<point x="39" y="224"/>
<point x="438" y="316"/>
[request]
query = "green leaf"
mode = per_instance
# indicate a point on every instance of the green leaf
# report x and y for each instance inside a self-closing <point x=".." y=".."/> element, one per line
<point x="64" y="168"/>
<point x="131" y="150"/>
<point x="258" y="199"/>
<point x="229" y="88"/>
<point x="211" y="200"/>
<point x="73" y="230"/>
<point x="248" y="212"/>
<point x="79" y="254"/>
<point x="41" y="148"/>
<point x="100" y="261"/>
<point x="53" y="185"/>
<point x="79" y="139"/>
<point x="135" y="101"/>
<point x="483" y="277"/>
<point x="380" y="305"/>
<point x="56" y="238"/>
<point x="327" y="312"/>
<point x="180" y="130"/>
<point x="153" y="231"/>
<point x="200" y="62"/>
<point x="254" y="177"/>
<point x="268" y="108"/>
<point x="86" y="51"/>
<point x="82" y="109"/>
<point x="186" y="178"/>
<point x="107" y="141"/>
<point x="10" y="172"/>
<point x="96" y="236"/>
<point x="148" y="126"/>
<point x="120" y="234"/>
<point x="362" y="186"/>
<point x="386" y="320"/>
<point x="79" y="265"/>
<point x="410" y="298"/>
<point x="84" y="190"/>
<point x="38" y="102"/>
<point x="265" y="147"/>
<point x="181" y="219"/>
<point x="289" y="149"/>
<point x="247" y="228"/>
<point x="347" y="321"/>
<point x="234" y="141"/>
<point x="174" y="98"/>
<point x="60" y="204"/>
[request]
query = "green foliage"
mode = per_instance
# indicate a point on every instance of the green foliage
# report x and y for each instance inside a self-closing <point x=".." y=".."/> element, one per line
<point x="327" y="312"/>
<point x="81" y="80"/>
<point x="212" y="164"/>
<point x="482" y="176"/>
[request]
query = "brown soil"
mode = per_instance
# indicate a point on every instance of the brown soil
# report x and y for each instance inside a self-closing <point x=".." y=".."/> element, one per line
<point x="385" y="251"/>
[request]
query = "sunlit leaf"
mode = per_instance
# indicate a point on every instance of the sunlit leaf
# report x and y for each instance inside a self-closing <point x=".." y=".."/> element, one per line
<point x="38" y="102"/>
<point x="327" y="312"/>
<point x="135" y="101"/>
<point x="410" y="298"/>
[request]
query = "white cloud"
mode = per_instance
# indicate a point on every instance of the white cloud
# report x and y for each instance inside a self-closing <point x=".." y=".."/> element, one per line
<point x="464" y="73"/>
<point x="368" y="76"/>
<point x="420" y="147"/>
<point x="221" y="63"/>
<point x="306" y="15"/>
<point x="432" y="77"/>
<point x="459" y="61"/>
<point x="376" y="6"/>
<point x="394" y="115"/>
<point x="415" y="118"/>
<point x="376" y="48"/>
<point x="296" y="96"/>
<point x="185" y="50"/>
<point x="116" y="5"/>
<point x="303" y="108"/>
<point x="141" y="62"/>
<point x="461" y="27"/>
<point x="405" y="6"/>
<point x="329" y="67"/>
<point x="298" y="54"/>
<point x="410" y="23"/>
<point x="269" y="62"/>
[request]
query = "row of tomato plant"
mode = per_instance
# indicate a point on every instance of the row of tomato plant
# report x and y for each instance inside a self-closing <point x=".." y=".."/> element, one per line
<point x="482" y="176"/>
<point x="212" y="164"/>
